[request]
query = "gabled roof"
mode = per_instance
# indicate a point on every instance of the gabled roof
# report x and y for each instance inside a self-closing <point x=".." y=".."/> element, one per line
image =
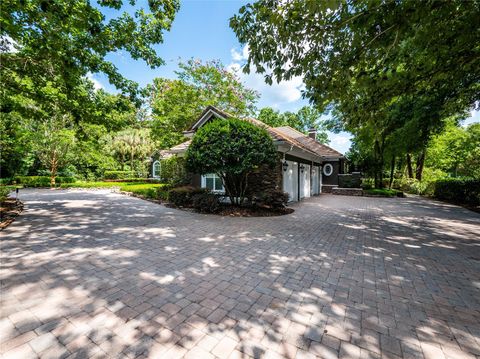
<point x="284" y="134"/>
<point x="308" y="142"/>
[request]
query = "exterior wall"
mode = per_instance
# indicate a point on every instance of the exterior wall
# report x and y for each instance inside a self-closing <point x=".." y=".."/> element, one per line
<point x="333" y="178"/>
<point x="196" y="180"/>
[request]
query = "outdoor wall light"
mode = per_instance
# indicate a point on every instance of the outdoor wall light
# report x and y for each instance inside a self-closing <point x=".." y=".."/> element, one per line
<point x="302" y="168"/>
<point x="285" y="166"/>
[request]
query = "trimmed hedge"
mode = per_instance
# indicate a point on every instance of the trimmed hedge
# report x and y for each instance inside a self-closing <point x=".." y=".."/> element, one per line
<point x="206" y="203"/>
<point x="183" y="196"/>
<point x="147" y="190"/>
<point x="458" y="190"/>
<point x="130" y="180"/>
<point x="116" y="175"/>
<point x="40" y="181"/>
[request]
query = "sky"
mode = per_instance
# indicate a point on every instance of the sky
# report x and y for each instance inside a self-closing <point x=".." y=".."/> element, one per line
<point x="201" y="31"/>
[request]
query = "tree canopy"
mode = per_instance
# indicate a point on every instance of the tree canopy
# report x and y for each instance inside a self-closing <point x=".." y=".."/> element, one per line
<point x="176" y="104"/>
<point x="390" y="72"/>
<point x="303" y="120"/>
<point x="62" y="41"/>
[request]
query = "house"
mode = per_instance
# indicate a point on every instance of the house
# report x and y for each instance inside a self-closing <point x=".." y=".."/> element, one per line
<point x="305" y="167"/>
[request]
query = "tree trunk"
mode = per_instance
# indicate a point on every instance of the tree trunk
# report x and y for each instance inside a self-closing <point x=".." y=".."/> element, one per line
<point x="53" y="173"/>
<point x="409" y="166"/>
<point x="378" y="151"/>
<point x="392" y="170"/>
<point x="419" y="168"/>
<point x="132" y="154"/>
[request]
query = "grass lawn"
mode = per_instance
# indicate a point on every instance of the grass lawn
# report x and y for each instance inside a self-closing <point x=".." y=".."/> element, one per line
<point x="149" y="190"/>
<point x="384" y="192"/>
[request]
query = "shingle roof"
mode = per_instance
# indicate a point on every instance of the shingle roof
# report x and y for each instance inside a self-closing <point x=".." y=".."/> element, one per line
<point x="309" y="142"/>
<point x="284" y="133"/>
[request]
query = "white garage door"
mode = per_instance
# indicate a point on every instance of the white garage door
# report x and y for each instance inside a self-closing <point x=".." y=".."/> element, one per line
<point x="290" y="181"/>
<point x="305" y="182"/>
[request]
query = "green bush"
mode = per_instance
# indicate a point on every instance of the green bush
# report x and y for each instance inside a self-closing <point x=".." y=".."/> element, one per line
<point x="233" y="147"/>
<point x="114" y="175"/>
<point x="367" y="183"/>
<point x="162" y="193"/>
<point x="148" y="190"/>
<point x="138" y="180"/>
<point x="90" y="185"/>
<point x="272" y="199"/>
<point x="183" y="196"/>
<point x="383" y="192"/>
<point x="350" y="180"/>
<point x="173" y="171"/>
<point x="4" y="192"/>
<point x="206" y="202"/>
<point x="41" y="181"/>
<point x="458" y="190"/>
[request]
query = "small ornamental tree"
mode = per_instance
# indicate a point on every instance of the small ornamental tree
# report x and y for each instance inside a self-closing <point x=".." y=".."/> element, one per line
<point x="232" y="149"/>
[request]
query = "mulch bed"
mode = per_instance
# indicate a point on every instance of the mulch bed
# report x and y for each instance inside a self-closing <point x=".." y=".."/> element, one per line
<point x="9" y="210"/>
<point x="234" y="211"/>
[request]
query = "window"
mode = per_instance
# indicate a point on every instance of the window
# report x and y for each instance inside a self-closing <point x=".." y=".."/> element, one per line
<point x="327" y="169"/>
<point x="213" y="182"/>
<point x="156" y="169"/>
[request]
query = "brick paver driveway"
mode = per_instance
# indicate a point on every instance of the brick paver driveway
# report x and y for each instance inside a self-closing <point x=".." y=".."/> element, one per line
<point x="98" y="274"/>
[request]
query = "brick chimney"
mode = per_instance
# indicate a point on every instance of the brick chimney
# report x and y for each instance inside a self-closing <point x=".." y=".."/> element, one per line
<point x="312" y="133"/>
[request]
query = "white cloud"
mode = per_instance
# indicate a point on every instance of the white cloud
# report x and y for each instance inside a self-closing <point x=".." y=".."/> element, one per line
<point x="239" y="56"/>
<point x="274" y="95"/>
<point x="97" y="85"/>
<point x="340" y="141"/>
<point x="474" y="117"/>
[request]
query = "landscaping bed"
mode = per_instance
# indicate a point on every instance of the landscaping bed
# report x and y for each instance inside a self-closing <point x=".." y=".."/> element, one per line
<point x="10" y="208"/>
<point x="234" y="211"/>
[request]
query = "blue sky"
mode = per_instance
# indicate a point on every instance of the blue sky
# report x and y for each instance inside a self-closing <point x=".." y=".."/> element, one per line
<point x="201" y="30"/>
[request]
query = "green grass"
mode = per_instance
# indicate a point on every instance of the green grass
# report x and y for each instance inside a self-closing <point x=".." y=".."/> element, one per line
<point x="149" y="190"/>
<point x="385" y="192"/>
<point x="91" y="185"/>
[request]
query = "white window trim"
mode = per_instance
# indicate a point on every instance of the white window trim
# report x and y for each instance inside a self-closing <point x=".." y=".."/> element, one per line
<point x="328" y="172"/>
<point x="154" y="173"/>
<point x="214" y="175"/>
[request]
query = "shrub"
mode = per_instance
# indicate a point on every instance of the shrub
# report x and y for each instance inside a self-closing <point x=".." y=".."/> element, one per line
<point x="41" y="181"/>
<point x="350" y="180"/>
<point x="458" y="190"/>
<point x="114" y="175"/>
<point x="206" y="203"/>
<point x="273" y="199"/>
<point x="183" y="196"/>
<point x="148" y="190"/>
<point x="90" y="185"/>
<point x="367" y="183"/>
<point x="233" y="148"/>
<point x="162" y="193"/>
<point x="130" y="180"/>
<point x="4" y="192"/>
<point x="412" y="185"/>
<point x="173" y="171"/>
<point x="383" y="192"/>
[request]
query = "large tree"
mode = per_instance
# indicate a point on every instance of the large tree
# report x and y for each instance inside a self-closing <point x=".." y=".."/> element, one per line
<point x="398" y="68"/>
<point x="67" y="39"/>
<point x="177" y="103"/>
